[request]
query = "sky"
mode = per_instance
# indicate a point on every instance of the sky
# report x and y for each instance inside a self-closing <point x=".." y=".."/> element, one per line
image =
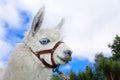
<point x="90" y="25"/>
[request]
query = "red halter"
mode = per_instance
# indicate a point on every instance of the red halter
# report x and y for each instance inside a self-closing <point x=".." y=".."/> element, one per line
<point x="48" y="51"/>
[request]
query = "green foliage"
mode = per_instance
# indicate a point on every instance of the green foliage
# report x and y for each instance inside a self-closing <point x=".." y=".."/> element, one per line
<point x="73" y="76"/>
<point x="88" y="74"/>
<point x="115" y="47"/>
<point x="107" y="67"/>
<point x="55" y="77"/>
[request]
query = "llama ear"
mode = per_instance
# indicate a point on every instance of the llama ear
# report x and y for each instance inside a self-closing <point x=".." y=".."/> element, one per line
<point x="60" y="24"/>
<point x="37" y="21"/>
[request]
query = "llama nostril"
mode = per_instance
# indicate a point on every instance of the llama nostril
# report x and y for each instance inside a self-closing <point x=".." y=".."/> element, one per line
<point x="68" y="52"/>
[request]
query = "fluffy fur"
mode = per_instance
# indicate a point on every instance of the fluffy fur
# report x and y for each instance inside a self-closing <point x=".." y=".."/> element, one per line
<point x="24" y="65"/>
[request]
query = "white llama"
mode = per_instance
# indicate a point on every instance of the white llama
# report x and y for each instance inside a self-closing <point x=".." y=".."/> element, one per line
<point x="41" y="51"/>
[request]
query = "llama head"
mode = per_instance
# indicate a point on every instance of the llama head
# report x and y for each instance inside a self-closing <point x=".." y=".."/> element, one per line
<point x="39" y="39"/>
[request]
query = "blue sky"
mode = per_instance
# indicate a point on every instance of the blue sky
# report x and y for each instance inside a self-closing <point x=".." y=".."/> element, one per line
<point x="75" y="65"/>
<point x="90" y="26"/>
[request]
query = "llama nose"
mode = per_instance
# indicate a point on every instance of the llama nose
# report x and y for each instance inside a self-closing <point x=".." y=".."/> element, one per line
<point x="68" y="52"/>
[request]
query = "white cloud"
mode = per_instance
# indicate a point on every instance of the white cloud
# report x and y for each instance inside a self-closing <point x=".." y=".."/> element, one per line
<point x="67" y="67"/>
<point x="92" y="25"/>
<point x="2" y="31"/>
<point x="28" y="5"/>
<point x="5" y="48"/>
<point x="10" y="10"/>
<point x="9" y="14"/>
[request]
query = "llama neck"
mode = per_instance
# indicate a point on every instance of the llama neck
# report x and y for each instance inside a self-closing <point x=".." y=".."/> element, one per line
<point x="26" y="65"/>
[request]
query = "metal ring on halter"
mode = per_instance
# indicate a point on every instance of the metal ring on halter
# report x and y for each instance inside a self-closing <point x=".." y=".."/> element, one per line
<point x="55" y="69"/>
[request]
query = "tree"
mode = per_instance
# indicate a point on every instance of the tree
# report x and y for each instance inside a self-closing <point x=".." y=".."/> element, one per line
<point x="115" y="47"/>
<point x="88" y="74"/>
<point x="106" y="68"/>
<point x="55" y="77"/>
<point x="73" y="76"/>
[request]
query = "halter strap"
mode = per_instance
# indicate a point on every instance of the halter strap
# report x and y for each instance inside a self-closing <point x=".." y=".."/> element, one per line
<point x="48" y="51"/>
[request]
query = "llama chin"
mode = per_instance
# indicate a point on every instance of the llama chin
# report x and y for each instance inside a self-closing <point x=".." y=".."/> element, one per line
<point x="41" y="46"/>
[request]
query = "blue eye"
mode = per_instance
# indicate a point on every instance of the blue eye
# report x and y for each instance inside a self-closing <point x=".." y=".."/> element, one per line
<point x="44" y="41"/>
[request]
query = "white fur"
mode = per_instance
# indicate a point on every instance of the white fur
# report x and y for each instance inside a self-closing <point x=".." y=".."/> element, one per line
<point x="24" y="65"/>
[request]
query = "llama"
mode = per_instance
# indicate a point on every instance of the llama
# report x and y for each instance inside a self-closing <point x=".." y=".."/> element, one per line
<point x="41" y="51"/>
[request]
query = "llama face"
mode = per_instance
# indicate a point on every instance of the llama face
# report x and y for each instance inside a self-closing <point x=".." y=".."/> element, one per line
<point x="39" y="39"/>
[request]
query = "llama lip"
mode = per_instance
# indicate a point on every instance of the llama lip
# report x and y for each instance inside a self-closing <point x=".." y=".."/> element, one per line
<point x="67" y="59"/>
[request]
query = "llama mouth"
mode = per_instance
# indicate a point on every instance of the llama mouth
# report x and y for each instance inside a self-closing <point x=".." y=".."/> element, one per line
<point x="66" y="60"/>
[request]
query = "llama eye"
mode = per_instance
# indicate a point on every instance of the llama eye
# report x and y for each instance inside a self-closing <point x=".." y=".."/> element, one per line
<point x="44" y="41"/>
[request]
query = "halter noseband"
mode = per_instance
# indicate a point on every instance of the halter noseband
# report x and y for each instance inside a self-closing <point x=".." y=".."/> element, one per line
<point x="48" y="51"/>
